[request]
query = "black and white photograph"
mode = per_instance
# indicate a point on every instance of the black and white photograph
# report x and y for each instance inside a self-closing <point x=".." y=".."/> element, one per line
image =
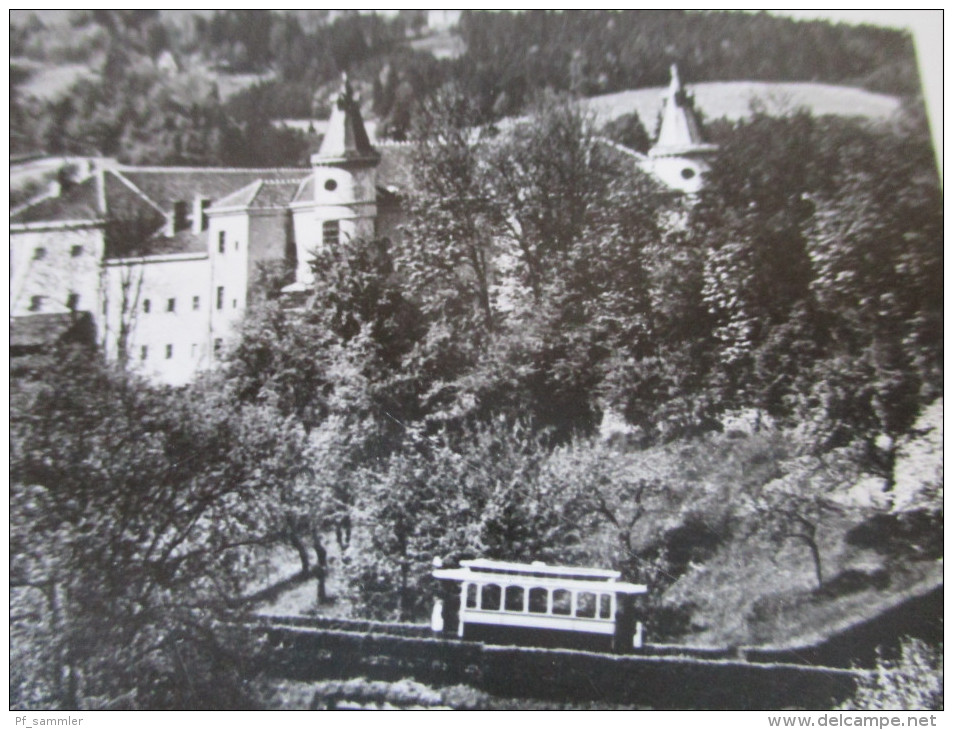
<point x="475" y="360"/>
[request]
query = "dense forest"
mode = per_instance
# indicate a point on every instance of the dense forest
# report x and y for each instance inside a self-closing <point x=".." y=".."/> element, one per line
<point x="771" y="353"/>
<point x="124" y="105"/>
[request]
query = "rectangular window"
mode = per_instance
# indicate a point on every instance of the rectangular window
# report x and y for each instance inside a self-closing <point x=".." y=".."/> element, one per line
<point x="218" y="345"/>
<point x="36" y="303"/>
<point x="236" y="245"/>
<point x="72" y="301"/>
<point x="605" y="606"/>
<point x="220" y="297"/>
<point x="331" y="233"/>
<point x="234" y="304"/>
<point x="146" y="306"/>
<point x="195" y="302"/>
<point x="170" y="307"/>
<point x="143" y="352"/>
<point x="168" y="352"/>
<point x="39" y="254"/>
<point x="221" y="241"/>
<point x="76" y="251"/>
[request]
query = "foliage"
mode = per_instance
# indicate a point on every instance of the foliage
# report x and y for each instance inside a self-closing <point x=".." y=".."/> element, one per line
<point x="914" y="682"/>
<point x="136" y="515"/>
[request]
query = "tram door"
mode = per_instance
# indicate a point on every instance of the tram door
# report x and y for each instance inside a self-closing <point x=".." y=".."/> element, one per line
<point x="449" y="593"/>
<point x="624" y="623"/>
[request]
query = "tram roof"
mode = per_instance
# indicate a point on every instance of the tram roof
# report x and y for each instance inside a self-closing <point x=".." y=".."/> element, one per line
<point x="532" y="580"/>
<point x="539" y="569"/>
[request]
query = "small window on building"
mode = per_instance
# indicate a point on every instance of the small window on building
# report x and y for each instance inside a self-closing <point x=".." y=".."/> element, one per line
<point x="220" y="297"/>
<point x="471" y="595"/>
<point x="221" y="241"/>
<point x="538" y="600"/>
<point x="168" y="352"/>
<point x="490" y="597"/>
<point x="36" y="303"/>
<point x="72" y="301"/>
<point x="513" y="598"/>
<point x="331" y="233"/>
<point x="234" y="304"/>
<point x="76" y="251"/>
<point x="196" y="302"/>
<point x="180" y="216"/>
<point x="204" y="206"/>
<point x="170" y="307"/>
<point x="688" y="173"/>
<point x="39" y="253"/>
<point x="330" y="185"/>
<point x="218" y="345"/>
<point x="236" y="245"/>
<point x="605" y="606"/>
<point x="143" y="352"/>
<point x="146" y="306"/>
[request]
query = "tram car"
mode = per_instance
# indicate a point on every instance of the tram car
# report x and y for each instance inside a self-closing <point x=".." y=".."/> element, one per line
<point x="537" y="604"/>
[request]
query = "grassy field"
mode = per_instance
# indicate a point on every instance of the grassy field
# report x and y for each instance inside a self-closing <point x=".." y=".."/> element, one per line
<point x="733" y="100"/>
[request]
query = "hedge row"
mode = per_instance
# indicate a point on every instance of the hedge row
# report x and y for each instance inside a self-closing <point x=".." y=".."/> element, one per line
<point x="659" y="682"/>
<point x="353" y="625"/>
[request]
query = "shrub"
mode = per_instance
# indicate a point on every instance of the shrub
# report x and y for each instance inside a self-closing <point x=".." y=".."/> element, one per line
<point x="915" y="682"/>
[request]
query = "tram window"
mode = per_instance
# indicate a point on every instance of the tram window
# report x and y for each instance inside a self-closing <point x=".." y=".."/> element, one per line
<point x="562" y="602"/>
<point x="471" y="596"/>
<point x="513" y="598"/>
<point x="490" y="597"/>
<point x="605" y="606"/>
<point x="586" y="605"/>
<point x="538" y="598"/>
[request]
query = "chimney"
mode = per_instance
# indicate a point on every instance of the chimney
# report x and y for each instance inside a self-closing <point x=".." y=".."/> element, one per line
<point x="199" y="218"/>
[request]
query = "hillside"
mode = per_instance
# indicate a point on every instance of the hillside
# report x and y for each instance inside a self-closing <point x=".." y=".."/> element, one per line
<point x="733" y="100"/>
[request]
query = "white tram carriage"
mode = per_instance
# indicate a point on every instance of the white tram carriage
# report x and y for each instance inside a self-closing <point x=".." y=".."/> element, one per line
<point x="538" y="604"/>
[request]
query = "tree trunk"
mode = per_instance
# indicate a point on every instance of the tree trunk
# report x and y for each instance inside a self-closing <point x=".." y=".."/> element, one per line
<point x="816" y="556"/>
<point x="301" y="548"/>
<point x="322" y="567"/>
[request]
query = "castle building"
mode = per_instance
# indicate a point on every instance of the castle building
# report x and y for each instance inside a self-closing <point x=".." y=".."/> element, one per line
<point x="163" y="259"/>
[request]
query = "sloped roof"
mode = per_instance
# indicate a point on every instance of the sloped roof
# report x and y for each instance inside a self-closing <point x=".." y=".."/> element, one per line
<point x="346" y="137"/>
<point x="165" y="186"/>
<point x="185" y="241"/>
<point x="305" y="191"/>
<point x="79" y="202"/>
<point x="679" y="132"/>
<point x="262" y="194"/>
<point x="107" y="195"/>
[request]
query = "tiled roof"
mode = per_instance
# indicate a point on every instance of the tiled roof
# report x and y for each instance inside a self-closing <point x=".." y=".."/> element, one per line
<point x="158" y="245"/>
<point x="262" y="194"/>
<point x="78" y="202"/>
<point x="240" y="198"/>
<point x="108" y="195"/>
<point x="165" y="186"/>
<point x="276" y="193"/>
<point x="305" y="190"/>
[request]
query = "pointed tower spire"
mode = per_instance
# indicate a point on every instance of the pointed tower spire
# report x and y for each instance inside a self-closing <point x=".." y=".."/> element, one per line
<point x="346" y="139"/>
<point x="678" y="158"/>
<point x="679" y="133"/>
